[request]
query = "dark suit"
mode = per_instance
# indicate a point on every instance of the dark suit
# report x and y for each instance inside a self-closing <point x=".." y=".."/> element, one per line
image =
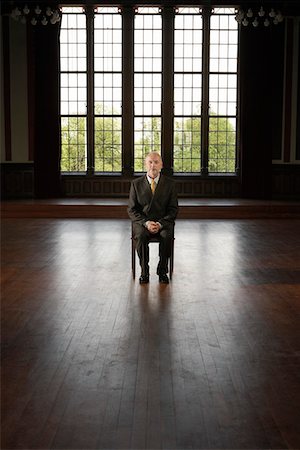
<point x="162" y="207"/>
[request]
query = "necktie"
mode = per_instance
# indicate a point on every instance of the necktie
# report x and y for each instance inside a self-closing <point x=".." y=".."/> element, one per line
<point x="153" y="185"/>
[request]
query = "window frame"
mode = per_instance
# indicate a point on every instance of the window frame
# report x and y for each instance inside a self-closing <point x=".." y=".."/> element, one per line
<point x="167" y="109"/>
<point x="142" y="73"/>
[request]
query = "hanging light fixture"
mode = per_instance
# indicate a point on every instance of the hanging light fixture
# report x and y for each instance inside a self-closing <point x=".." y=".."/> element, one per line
<point x="36" y="15"/>
<point x="259" y="17"/>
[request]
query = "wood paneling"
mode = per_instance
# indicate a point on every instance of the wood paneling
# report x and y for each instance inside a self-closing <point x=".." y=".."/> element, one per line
<point x="93" y="360"/>
<point x="117" y="186"/>
<point x="17" y="182"/>
<point x="286" y="182"/>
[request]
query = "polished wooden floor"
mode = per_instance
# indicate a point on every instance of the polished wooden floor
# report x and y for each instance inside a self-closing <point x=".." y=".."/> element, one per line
<point x="93" y="360"/>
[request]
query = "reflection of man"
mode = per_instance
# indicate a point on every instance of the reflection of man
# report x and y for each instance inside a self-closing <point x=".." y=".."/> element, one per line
<point x="153" y="209"/>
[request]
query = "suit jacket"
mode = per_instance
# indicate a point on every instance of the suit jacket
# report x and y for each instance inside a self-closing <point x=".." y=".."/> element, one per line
<point x="162" y="206"/>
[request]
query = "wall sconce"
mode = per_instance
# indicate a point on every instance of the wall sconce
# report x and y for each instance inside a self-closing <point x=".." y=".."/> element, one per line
<point x="260" y="17"/>
<point x="36" y="15"/>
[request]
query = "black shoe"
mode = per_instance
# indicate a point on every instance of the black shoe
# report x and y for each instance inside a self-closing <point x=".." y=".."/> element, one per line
<point x="144" y="279"/>
<point x="163" y="278"/>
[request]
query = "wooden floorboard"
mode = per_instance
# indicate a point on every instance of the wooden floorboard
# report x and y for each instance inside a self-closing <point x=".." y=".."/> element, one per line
<point x="93" y="360"/>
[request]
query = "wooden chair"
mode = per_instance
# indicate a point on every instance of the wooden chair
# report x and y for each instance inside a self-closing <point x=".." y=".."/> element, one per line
<point x="152" y="239"/>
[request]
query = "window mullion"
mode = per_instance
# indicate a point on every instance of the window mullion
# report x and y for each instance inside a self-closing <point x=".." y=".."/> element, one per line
<point x="168" y="91"/>
<point x="205" y="90"/>
<point x="90" y="92"/>
<point x="127" y="101"/>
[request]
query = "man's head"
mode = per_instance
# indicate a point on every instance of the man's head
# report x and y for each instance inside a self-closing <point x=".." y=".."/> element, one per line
<point x="153" y="164"/>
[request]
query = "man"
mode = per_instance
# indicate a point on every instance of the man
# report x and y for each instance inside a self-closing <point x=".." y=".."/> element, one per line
<point x="153" y="208"/>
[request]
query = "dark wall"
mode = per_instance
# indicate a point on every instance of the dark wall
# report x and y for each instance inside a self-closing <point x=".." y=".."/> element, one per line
<point x="46" y="98"/>
<point x="261" y="92"/>
<point x="298" y="103"/>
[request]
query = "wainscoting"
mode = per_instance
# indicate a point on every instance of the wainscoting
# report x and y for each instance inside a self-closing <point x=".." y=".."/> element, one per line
<point x="286" y="181"/>
<point x="117" y="186"/>
<point x="17" y="181"/>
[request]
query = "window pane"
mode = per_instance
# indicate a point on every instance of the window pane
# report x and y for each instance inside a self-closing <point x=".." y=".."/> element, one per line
<point x="187" y="90"/>
<point x="147" y="138"/>
<point x="73" y="144"/>
<point x="73" y="39"/>
<point x="73" y="94"/>
<point x="108" y="144"/>
<point x="108" y="94"/>
<point x="223" y="91"/>
<point x="108" y="89"/>
<point x="222" y="144"/>
<point x="73" y="90"/>
<point x="147" y="84"/>
<point x="187" y="144"/>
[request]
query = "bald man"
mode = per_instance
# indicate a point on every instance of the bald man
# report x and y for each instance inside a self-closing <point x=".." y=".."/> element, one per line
<point x="153" y="208"/>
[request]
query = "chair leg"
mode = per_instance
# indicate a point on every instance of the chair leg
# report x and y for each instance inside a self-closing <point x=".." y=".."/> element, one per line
<point x="172" y="259"/>
<point x="133" y="258"/>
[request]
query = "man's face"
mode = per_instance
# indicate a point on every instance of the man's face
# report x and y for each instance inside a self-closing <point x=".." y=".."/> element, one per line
<point x="153" y="164"/>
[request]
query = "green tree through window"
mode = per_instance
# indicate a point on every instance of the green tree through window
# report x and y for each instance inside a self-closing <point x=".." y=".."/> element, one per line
<point x="73" y="144"/>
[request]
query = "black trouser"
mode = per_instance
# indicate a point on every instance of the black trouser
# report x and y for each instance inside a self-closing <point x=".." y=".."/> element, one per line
<point x="142" y="237"/>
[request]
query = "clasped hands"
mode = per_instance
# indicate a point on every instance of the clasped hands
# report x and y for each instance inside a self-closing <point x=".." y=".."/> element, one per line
<point x="153" y="227"/>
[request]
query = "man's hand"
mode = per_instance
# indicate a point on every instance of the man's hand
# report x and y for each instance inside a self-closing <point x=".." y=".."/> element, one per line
<point x="153" y="227"/>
